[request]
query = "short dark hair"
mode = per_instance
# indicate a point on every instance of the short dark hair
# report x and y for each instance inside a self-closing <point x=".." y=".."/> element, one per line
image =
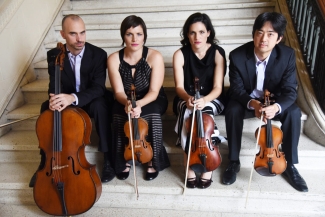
<point x="194" y="18"/>
<point x="277" y="20"/>
<point x="74" y="17"/>
<point x="132" y="21"/>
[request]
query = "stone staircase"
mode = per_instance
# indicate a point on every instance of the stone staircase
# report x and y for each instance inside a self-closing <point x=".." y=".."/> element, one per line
<point x="19" y="153"/>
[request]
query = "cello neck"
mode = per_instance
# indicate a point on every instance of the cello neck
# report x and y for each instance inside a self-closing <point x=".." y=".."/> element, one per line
<point x="57" y="128"/>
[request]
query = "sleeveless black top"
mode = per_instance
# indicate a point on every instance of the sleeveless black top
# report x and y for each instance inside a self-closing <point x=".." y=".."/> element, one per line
<point x="201" y="68"/>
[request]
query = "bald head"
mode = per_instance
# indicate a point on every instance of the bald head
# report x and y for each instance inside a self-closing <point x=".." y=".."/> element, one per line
<point x="70" y="17"/>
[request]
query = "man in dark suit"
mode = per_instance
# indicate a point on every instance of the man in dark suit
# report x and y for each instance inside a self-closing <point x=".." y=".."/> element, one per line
<point x="254" y="67"/>
<point x="83" y="85"/>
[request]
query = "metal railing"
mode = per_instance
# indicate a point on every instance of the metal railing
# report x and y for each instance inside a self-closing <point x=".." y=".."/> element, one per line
<point x="310" y="27"/>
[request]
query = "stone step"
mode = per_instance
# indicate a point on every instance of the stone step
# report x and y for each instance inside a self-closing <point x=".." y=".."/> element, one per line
<point x="22" y="145"/>
<point x="164" y="25"/>
<point x="267" y="194"/>
<point x="106" y="31"/>
<point x="166" y="46"/>
<point x="86" y="4"/>
<point x="172" y="12"/>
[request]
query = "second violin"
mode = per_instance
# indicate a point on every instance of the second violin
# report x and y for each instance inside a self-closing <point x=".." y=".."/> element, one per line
<point x="142" y="149"/>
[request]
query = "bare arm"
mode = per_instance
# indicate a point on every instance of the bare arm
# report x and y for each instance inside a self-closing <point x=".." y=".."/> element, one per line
<point x="217" y="82"/>
<point x="178" y="63"/>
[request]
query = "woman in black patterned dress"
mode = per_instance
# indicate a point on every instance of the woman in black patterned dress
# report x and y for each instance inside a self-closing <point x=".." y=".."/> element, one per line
<point x="199" y="57"/>
<point x="143" y="67"/>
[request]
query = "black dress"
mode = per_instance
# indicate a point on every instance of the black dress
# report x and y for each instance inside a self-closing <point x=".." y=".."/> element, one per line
<point x="151" y="113"/>
<point x="204" y="70"/>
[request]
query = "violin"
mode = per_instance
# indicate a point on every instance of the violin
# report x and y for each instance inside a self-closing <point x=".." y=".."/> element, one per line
<point x="203" y="155"/>
<point x="68" y="184"/>
<point x="142" y="150"/>
<point x="269" y="161"/>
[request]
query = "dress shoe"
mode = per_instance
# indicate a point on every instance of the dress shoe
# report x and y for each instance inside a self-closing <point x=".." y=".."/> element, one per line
<point x="191" y="182"/>
<point x="123" y="175"/>
<point x="204" y="183"/>
<point x="151" y="176"/>
<point x="229" y="176"/>
<point x="108" y="172"/>
<point x="295" y="179"/>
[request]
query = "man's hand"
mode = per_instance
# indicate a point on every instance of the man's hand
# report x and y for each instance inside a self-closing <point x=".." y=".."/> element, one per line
<point x="270" y="111"/>
<point x="60" y="101"/>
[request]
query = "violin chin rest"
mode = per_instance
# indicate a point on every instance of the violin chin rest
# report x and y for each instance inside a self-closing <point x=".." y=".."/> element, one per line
<point x="264" y="171"/>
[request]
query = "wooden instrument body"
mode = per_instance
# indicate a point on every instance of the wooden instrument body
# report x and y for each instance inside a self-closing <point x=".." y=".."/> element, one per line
<point x="142" y="149"/>
<point x="269" y="161"/>
<point x="82" y="185"/>
<point x="204" y="155"/>
<point x="270" y="155"/>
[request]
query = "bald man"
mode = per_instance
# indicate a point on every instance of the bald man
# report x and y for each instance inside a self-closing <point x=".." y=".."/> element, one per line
<point x="82" y="85"/>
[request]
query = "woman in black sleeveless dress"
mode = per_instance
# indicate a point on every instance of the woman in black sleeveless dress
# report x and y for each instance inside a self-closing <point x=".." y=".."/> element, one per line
<point x="144" y="68"/>
<point x="199" y="57"/>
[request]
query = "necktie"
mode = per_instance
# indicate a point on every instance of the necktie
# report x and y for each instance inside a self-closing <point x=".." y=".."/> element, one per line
<point x="76" y="73"/>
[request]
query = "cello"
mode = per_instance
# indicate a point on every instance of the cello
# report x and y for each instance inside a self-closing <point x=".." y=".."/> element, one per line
<point x="68" y="184"/>
<point x="203" y="155"/>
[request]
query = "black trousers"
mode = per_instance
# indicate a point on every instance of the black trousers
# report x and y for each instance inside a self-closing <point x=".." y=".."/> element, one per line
<point x="291" y="123"/>
<point x="101" y="110"/>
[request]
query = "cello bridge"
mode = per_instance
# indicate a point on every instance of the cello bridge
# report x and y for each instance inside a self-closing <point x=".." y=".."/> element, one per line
<point x="59" y="167"/>
<point x="270" y="155"/>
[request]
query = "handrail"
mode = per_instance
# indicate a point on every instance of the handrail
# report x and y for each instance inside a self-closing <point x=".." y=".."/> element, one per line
<point x="308" y="19"/>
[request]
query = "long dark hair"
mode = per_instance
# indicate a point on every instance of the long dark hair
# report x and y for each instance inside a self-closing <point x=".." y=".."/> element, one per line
<point x="198" y="17"/>
<point x="132" y="21"/>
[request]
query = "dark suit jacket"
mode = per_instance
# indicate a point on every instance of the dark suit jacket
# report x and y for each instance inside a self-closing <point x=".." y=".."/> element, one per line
<point x="280" y="74"/>
<point x="92" y="74"/>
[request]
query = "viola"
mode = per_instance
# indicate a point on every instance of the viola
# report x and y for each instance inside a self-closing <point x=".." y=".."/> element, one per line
<point x="269" y="161"/>
<point x="203" y="155"/>
<point x="68" y="184"/>
<point x="142" y="150"/>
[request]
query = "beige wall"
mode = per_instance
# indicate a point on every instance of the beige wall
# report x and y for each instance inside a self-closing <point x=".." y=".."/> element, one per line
<point x="27" y="22"/>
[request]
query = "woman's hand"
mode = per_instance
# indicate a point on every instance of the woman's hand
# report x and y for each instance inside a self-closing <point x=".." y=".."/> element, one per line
<point x="199" y="103"/>
<point x="189" y="102"/>
<point x="134" y="112"/>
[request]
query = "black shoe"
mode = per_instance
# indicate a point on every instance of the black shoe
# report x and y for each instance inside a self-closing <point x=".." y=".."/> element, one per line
<point x="204" y="183"/>
<point x="123" y="175"/>
<point x="295" y="179"/>
<point x="191" y="182"/>
<point x="151" y="176"/>
<point x="108" y="172"/>
<point x="229" y="176"/>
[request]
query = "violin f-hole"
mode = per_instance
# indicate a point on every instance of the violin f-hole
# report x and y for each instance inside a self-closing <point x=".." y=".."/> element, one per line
<point x="73" y="166"/>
